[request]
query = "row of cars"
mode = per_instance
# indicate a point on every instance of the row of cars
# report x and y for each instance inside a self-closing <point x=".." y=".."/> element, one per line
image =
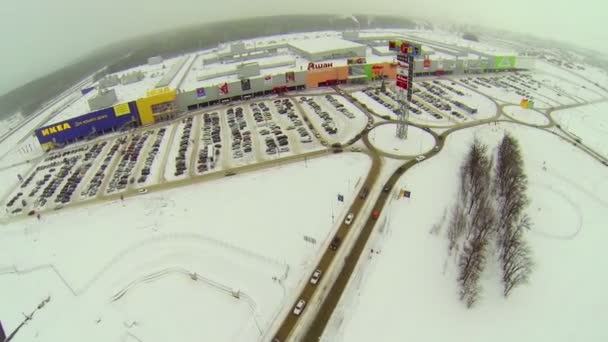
<point x="339" y="106"/>
<point x="241" y="137"/>
<point x="296" y="121"/>
<point x="184" y="143"/>
<point x="438" y="91"/>
<point x="130" y="155"/>
<point x="95" y="182"/>
<point x="152" y="155"/>
<point x="208" y="155"/>
<point x="328" y="122"/>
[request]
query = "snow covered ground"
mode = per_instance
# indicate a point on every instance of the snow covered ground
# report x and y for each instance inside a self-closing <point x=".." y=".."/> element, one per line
<point x="132" y="277"/>
<point x="530" y="116"/>
<point x="589" y="122"/>
<point x="418" y="141"/>
<point x="569" y="76"/>
<point x="405" y="291"/>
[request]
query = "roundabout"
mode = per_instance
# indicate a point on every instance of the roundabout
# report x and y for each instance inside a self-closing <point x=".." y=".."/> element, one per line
<point x="383" y="139"/>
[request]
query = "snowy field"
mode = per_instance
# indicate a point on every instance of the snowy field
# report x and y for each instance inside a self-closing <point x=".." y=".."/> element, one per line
<point x="135" y="264"/>
<point x="530" y="116"/>
<point x="589" y="122"/>
<point x="406" y="293"/>
<point x="568" y="76"/>
<point x="417" y="142"/>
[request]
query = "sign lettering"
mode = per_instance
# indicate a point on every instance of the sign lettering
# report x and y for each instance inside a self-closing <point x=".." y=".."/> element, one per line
<point x="57" y="128"/>
<point x="313" y="66"/>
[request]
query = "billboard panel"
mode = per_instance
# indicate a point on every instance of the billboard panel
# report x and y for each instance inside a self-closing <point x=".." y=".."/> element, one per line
<point x="245" y="84"/>
<point x="504" y="62"/>
<point x="200" y="93"/>
<point x="82" y="126"/>
<point x="290" y="77"/>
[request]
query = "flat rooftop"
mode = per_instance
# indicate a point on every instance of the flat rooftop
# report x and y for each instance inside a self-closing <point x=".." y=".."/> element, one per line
<point x="323" y="44"/>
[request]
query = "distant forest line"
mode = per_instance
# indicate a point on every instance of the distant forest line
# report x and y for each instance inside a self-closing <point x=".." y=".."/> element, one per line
<point x="130" y="53"/>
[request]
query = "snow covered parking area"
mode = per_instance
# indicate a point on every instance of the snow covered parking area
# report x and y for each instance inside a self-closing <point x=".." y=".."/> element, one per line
<point x="407" y="288"/>
<point x="181" y="256"/>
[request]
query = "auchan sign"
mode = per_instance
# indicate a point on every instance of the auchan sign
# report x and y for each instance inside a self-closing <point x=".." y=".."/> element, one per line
<point x="315" y="66"/>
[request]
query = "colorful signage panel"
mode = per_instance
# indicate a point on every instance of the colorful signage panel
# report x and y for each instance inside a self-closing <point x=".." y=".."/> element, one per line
<point x="200" y="93"/>
<point x="504" y="62"/>
<point x="81" y="126"/>
<point x="122" y="109"/>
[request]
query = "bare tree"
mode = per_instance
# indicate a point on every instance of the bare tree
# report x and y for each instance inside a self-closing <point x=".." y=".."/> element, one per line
<point x="515" y="257"/>
<point x="510" y="189"/>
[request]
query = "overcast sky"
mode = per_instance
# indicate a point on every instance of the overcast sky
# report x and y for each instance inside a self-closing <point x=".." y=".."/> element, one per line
<point x="42" y="35"/>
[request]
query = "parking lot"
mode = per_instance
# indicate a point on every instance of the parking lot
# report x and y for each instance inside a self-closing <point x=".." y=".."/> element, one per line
<point x="333" y="118"/>
<point x="196" y="144"/>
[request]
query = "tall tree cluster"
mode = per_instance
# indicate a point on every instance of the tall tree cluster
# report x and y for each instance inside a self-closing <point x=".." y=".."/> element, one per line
<point x="510" y="187"/>
<point x="490" y="213"/>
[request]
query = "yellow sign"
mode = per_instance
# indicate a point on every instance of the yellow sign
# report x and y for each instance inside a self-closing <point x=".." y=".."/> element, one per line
<point x="57" y="128"/>
<point x="122" y="109"/>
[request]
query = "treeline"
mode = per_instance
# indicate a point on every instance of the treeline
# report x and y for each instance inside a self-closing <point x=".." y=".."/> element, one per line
<point x="488" y="219"/>
<point x="130" y="53"/>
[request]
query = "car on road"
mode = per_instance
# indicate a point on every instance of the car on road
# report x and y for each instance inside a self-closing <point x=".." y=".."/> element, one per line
<point x="335" y="243"/>
<point x="376" y="213"/>
<point x="364" y="193"/>
<point x="299" y="307"/>
<point x="436" y="148"/>
<point x="316" y="275"/>
<point x="143" y="191"/>
<point x="387" y="188"/>
<point x="230" y="173"/>
<point x="420" y="158"/>
<point x="349" y="218"/>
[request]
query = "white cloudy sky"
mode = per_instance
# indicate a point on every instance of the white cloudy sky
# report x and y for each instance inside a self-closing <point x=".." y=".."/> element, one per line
<point x="42" y="35"/>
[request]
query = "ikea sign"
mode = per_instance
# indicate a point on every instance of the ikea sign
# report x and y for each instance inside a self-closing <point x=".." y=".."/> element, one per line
<point x="55" y="129"/>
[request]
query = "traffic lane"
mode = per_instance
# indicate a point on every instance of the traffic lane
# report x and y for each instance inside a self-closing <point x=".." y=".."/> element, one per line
<point x="328" y="257"/>
<point x="337" y="289"/>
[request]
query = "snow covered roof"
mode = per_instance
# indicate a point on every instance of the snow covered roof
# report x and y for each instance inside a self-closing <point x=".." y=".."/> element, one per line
<point x="323" y="44"/>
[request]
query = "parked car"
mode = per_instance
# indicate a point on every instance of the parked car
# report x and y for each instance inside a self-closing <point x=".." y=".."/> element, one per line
<point x="420" y="158"/>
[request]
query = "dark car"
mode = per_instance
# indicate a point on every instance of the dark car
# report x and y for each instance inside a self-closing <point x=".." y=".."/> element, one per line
<point x="335" y="243"/>
<point x="364" y="193"/>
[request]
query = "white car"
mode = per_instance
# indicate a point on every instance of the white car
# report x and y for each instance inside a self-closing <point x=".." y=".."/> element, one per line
<point x="315" y="277"/>
<point x="143" y="191"/>
<point x="420" y="158"/>
<point x="299" y="307"/>
<point x="349" y="218"/>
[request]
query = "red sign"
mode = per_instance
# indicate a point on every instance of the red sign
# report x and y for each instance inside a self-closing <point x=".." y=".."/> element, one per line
<point x="405" y="47"/>
<point x="313" y="66"/>
<point x="427" y="63"/>
<point x="377" y="67"/>
<point x="224" y="88"/>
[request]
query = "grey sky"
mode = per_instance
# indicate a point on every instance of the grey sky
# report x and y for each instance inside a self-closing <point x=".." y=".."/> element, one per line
<point x="42" y="35"/>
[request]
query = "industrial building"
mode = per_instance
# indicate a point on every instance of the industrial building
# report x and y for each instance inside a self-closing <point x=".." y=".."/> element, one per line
<point x="164" y="88"/>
